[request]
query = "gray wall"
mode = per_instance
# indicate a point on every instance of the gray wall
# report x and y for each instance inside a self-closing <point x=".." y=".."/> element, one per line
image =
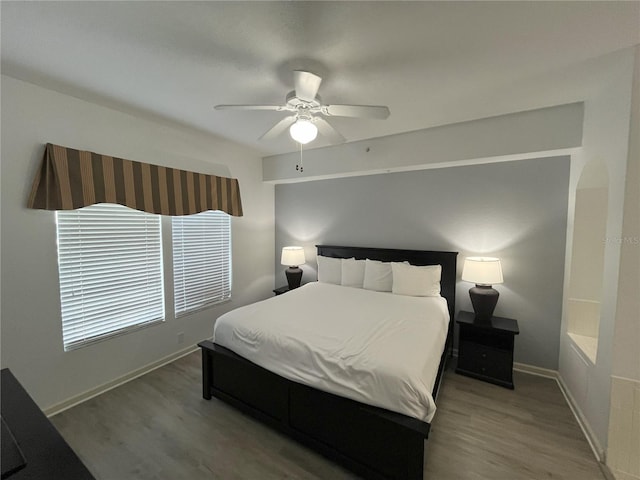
<point x="516" y="211"/>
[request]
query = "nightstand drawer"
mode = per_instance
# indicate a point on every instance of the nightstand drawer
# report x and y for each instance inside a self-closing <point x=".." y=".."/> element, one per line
<point x="489" y="338"/>
<point x="488" y="361"/>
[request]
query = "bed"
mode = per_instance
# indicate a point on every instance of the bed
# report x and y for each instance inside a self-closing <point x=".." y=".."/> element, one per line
<point x="364" y="431"/>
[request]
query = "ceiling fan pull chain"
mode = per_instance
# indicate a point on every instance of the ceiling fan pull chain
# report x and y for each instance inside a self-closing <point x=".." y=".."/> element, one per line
<point x="299" y="166"/>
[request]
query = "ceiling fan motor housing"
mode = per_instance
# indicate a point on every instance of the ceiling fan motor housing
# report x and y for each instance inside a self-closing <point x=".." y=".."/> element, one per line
<point x="294" y="102"/>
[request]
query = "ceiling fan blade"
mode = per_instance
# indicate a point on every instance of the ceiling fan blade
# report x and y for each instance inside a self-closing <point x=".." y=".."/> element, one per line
<point x="277" y="108"/>
<point x="279" y="127"/>
<point x="360" y="111"/>
<point x="306" y="85"/>
<point x="328" y="131"/>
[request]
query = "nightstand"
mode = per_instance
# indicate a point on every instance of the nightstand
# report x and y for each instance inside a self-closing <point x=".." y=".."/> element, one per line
<point x="281" y="290"/>
<point x="485" y="349"/>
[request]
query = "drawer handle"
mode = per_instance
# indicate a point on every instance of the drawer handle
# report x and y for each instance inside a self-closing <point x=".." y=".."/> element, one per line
<point x="484" y="369"/>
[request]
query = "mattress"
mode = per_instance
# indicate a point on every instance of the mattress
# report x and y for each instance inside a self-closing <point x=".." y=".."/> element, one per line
<point x="373" y="347"/>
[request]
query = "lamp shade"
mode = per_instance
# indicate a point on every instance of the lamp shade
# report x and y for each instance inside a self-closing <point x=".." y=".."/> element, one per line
<point x="292" y="256"/>
<point x="482" y="270"/>
<point x="303" y="131"/>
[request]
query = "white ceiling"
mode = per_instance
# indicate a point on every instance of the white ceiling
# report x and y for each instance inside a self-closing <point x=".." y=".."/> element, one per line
<point x="432" y="63"/>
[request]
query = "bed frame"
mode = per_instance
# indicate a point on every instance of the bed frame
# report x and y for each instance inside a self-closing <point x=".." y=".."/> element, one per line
<point x="373" y="442"/>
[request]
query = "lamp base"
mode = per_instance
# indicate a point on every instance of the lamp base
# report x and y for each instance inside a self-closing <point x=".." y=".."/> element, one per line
<point x="294" y="277"/>
<point x="484" y="299"/>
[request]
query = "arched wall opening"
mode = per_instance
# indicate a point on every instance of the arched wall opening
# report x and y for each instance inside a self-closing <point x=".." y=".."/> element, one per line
<point x="587" y="259"/>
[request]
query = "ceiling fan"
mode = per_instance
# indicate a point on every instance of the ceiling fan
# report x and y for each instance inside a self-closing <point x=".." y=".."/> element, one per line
<point x="307" y="111"/>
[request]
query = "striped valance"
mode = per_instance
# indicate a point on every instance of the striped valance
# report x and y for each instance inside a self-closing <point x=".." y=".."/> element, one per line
<point x="70" y="179"/>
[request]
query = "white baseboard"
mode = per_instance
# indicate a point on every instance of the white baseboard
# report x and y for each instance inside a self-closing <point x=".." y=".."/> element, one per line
<point x="597" y="449"/>
<point x="533" y="370"/>
<point x="84" y="396"/>
<point x="587" y="431"/>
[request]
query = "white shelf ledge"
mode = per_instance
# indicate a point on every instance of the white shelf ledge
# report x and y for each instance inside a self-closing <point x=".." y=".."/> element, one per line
<point x="588" y="345"/>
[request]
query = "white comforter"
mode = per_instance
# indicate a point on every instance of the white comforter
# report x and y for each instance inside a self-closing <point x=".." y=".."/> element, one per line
<point x="377" y="348"/>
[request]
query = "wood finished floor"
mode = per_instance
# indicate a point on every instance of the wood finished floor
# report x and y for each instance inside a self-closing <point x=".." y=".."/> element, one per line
<point x="159" y="427"/>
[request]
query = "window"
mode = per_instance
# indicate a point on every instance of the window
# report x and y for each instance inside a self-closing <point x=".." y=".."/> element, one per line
<point x="201" y="260"/>
<point x="110" y="269"/>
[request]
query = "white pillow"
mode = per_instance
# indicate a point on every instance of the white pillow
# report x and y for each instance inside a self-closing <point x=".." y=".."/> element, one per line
<point x="329" y="270"/>
<point x="352" y="272"/>
<point x="416" y="281"/>
<point x="377" y="276"/>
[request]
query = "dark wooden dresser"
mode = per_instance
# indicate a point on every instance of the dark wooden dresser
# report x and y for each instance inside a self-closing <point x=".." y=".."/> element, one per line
<point x="45" y="454"/>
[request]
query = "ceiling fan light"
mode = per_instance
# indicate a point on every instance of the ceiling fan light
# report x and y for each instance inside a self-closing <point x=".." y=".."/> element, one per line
<point x="303" y="131"/>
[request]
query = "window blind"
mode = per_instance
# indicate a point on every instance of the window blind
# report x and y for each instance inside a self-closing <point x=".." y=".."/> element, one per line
<point x="201" y="260"/>
<point x="110" y="270"/>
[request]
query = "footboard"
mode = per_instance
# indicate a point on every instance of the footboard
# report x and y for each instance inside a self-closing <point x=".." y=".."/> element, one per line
<point x="373" y="442"/>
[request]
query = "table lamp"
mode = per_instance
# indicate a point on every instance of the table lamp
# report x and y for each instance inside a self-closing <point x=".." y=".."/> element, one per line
<point x="484" y="272"/>
<point x="293" y="256"/>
